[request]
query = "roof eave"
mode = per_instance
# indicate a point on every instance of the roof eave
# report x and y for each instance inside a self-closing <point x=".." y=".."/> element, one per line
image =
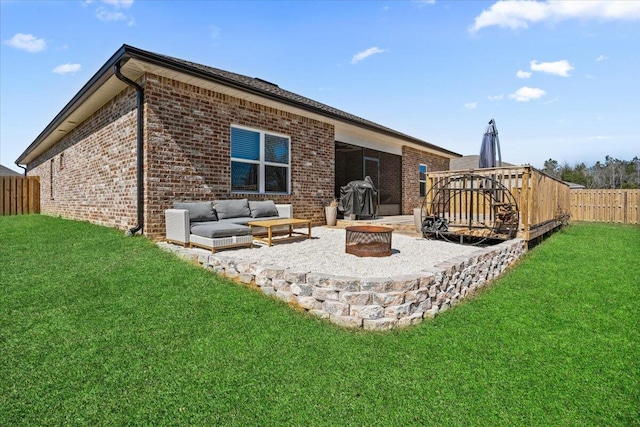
<point x="102" y="75"/>
<point x="176" y="66"/>
<point x="126" y="52"/>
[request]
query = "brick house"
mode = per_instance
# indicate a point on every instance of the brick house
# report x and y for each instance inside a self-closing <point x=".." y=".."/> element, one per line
<point x="201" y="133"/>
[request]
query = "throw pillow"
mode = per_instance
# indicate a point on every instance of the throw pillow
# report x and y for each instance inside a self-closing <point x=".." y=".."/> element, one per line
<point x="233" y="208"/>
<point x="198" y="211"/>
<point x="260" y="209"/>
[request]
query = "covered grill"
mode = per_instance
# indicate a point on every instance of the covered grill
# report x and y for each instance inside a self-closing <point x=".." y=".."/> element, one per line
<point x="359" y="198"/>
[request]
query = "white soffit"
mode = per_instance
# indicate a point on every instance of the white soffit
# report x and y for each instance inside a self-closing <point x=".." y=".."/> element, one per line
<point x="86" y="107"/>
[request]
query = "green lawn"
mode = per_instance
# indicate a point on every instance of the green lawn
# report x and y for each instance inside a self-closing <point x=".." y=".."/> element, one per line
<point x="101" y="329"/>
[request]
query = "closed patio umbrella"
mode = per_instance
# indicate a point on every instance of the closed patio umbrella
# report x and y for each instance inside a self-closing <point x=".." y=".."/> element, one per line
<point x="490" y="144"/>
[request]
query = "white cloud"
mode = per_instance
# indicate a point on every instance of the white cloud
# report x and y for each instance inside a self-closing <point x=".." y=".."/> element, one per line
<point x="423" y="2"/>
<point x="525" y="94"/>
<point x="365" y="54"/>
<point x="519" y="14"/>
<point x="471" y="105"/>
<point x="559" y="68"/>
<point x="523" y="74"/>
<point x="124" y="4"/>
<point x="27" y="42"/>
<point x="110" y="16"/>
<point x="67" y="68"/>
<point x="495" y="97"/>
<point x="113" y="11"/>
<point x="601" y="58"/>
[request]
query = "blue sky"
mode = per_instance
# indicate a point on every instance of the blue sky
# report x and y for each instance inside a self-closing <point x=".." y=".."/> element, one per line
<point x="561" y="79"/>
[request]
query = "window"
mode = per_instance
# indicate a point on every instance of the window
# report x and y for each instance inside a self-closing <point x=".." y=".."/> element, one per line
<point x="51" y="176"/>
<point x="423" y="180"/>
<point x="61" y="162"/>
<point x="260" y="162"/>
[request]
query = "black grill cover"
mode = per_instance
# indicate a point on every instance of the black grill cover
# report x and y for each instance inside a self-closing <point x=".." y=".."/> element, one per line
<point x="359" y="198"/>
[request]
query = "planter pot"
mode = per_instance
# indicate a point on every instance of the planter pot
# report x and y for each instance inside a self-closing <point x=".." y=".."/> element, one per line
<point x="417" y="219"/>
<point x="331" y="212"/>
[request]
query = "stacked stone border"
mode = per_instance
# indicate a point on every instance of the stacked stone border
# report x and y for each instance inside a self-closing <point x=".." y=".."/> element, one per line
<point x="369" y="303"/>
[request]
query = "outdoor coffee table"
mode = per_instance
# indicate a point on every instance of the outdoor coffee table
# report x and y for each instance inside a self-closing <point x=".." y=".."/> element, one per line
<point x="269" y="224"/>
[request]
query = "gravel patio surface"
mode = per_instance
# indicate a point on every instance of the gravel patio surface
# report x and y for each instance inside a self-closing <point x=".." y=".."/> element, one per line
<point x="325" y="253"/>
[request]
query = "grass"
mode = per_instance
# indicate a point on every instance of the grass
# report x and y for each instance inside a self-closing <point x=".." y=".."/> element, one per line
<point x="100" y="329"/>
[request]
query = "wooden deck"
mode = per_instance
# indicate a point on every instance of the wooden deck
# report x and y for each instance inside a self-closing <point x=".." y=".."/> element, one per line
<point x="543" y="202"/>
<point x="402" y="224"/>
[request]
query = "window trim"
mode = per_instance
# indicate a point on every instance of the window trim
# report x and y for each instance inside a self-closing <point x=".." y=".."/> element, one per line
<point x="261" y="162"/>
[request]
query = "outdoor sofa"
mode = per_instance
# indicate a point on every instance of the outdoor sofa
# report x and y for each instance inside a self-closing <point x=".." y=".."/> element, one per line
<point x="221" y="224"/>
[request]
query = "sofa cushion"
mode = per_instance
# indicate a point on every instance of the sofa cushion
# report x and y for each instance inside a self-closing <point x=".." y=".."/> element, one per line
<point x="198" y="211"/>
<point x="232" y="208"/>
<point x="261" y="209"/>
<point x="214" y="229"/>
<point x="244" y="220"/>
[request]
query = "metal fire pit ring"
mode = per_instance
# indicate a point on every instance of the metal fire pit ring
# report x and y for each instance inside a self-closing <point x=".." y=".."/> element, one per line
<point x="368" y="241"/>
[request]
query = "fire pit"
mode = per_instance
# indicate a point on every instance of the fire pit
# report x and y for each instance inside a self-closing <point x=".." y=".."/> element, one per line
<point x="368" y="241"/>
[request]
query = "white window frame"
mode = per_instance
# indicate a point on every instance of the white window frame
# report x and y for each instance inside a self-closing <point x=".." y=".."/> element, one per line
<point x="423" y="181"/>
<point x="262" y="162"/>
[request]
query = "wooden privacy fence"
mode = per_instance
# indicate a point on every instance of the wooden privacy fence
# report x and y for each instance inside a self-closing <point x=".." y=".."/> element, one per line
<point x="619" y="206"/>
<point x="19" y="195"/>
<point x="543" y="202"/>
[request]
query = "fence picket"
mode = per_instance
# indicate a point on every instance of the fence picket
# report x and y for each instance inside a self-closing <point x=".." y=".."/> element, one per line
<point x="615" y="206"/>
<point x="19" y="195"/>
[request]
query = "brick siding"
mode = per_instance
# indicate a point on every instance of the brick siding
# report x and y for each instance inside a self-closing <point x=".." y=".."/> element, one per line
<point x="411" y="160"/>
<point x="96" y="179"/>
<point x="189" y="150"/>
<point x="187" y="158"/>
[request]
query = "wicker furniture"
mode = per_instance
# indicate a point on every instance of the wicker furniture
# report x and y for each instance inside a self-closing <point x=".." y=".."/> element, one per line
<point x="221" y="225"/>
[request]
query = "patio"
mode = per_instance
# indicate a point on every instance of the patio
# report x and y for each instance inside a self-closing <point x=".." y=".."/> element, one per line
<point x="419" y="280"/>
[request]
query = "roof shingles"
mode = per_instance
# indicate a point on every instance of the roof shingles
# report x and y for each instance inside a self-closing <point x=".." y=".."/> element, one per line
<point x="264" y="87"/>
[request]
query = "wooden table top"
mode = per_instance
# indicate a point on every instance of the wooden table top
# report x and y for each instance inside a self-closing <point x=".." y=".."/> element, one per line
<point x="279" y="221"/>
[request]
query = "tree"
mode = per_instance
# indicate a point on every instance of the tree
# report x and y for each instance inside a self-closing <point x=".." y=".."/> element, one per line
<point x="613" y="173"/>
<point x="551" y="168"/>
<point x="577" y="175"/>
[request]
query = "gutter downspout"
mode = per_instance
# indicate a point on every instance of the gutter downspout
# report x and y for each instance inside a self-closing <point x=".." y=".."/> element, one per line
<point x="139" y="148"/>
<point x="22" y="167"/>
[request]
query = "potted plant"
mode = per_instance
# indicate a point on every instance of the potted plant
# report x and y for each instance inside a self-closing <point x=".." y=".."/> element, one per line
<point x="417" y="219"/>
<point x="331" y="212"/>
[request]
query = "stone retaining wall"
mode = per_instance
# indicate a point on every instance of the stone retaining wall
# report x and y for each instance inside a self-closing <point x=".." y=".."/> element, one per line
<point x="371" y="303"/>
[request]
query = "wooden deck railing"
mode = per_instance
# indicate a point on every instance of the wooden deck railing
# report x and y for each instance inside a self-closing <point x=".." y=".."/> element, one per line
<point x="19" y="195"/>
<point x="543" y="201"/>
<point x="615" y="206"/>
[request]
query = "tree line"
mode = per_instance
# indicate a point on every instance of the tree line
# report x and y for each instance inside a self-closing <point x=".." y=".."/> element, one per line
<point x="612" y="173"/>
